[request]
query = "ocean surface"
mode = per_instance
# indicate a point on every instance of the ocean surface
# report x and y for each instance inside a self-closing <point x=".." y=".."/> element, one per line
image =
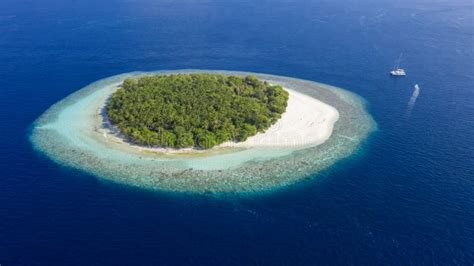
<point x="405" y="198"/>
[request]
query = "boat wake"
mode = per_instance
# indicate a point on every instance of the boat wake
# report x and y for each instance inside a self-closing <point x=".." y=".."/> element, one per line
<point x="411" y="103"/>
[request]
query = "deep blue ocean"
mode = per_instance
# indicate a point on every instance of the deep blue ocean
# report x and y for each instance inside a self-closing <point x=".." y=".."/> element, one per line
<point x="405" y="198"/>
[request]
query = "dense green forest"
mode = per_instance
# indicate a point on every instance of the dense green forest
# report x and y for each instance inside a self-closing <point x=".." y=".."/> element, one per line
<point x="194" y="110"/>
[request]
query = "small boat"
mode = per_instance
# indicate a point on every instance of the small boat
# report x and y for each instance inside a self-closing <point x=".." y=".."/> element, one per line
<point x="416" y="92"/>
<point x="397" y="71"/>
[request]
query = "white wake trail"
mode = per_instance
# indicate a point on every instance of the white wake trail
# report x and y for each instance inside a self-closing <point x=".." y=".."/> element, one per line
<point x="411" y="103"/>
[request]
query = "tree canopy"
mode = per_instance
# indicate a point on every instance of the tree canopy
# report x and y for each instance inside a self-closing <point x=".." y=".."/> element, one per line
<point x="194" y="110"/>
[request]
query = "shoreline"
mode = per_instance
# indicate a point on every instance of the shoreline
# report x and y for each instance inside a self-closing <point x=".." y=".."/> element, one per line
<point x="71" y="134"/>
<point x="306" y="122"/>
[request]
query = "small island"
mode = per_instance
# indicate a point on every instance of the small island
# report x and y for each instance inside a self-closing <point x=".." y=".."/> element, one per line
<point x="197" y="110"/>
<point x="203" y="131"/>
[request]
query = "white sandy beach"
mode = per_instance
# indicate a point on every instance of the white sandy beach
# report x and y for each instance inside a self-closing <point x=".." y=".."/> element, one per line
<point x="306" y="121"/>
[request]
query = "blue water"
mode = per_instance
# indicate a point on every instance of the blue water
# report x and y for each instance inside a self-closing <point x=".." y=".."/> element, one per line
<point x="406" y="198"/>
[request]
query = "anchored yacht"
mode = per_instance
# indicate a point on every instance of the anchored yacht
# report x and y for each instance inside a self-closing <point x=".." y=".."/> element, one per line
<point x="397" y="71"/>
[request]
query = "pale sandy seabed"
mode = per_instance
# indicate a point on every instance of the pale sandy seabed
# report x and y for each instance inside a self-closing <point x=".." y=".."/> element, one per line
<point x="73" y="132"/>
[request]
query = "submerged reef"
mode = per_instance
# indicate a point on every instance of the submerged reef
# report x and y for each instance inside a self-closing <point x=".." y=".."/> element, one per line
<point x="75" y="132"/>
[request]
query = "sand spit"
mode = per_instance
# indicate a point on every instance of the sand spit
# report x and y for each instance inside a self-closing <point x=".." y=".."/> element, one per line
<point x="306" y="122"/>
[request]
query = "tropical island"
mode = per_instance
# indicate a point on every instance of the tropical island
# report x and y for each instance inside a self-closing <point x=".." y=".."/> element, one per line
<point x="142" y="129"/>
<point x="198" y="110"/>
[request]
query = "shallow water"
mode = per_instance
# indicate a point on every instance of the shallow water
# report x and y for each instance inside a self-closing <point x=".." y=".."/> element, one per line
<point x="405" y="198"/>
<point x="72" y="133"/>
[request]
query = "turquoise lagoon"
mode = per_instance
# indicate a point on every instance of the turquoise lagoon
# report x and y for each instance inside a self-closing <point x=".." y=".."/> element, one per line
<point x="74" y="133"/>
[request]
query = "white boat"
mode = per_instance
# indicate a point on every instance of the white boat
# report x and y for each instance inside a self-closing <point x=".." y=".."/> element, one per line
<point x="416" y="92"/>
<point x="397" y="71"/>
